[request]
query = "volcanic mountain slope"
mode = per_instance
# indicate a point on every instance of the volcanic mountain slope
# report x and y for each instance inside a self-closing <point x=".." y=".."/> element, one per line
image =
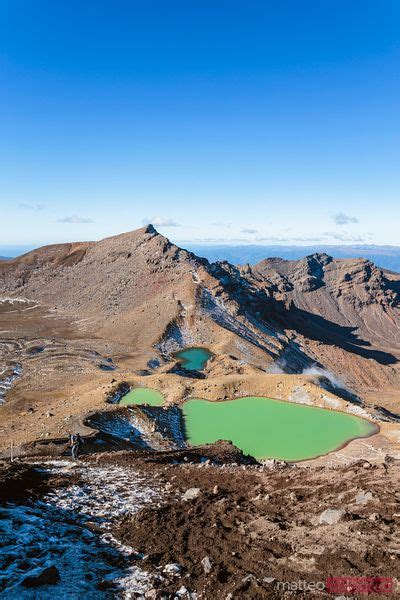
<point x="346" y="311"/>
<point x="352" y="293"/>
<point x="109" y="283"/>
<point x="141" y="290"/>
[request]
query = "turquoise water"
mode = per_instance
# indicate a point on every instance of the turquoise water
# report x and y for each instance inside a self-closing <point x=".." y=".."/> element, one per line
<point x="143" y="395"/>
<point x="194" y="359"/>
<point x="266" y="428"/>
<point x="263" y="427"/>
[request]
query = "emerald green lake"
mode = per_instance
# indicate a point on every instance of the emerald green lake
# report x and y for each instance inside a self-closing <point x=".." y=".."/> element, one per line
<point x="143" y="396"/>
<point x="194" y="359"/>
<point x="266" y="428"/>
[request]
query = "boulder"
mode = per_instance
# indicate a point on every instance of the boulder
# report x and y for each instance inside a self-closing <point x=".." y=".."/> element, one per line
<point x="173" y="569"/>
<point x="331" y="516"/>
<point x="207" y="566"/>
<point x="364" y="497"/>
<point x="191" y="494"/>
<point x="49" y="576"/>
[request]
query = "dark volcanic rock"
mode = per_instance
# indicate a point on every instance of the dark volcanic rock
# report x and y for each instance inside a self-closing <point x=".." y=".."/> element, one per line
<point x="18" y="481"/>
<point x="49" y="576"/>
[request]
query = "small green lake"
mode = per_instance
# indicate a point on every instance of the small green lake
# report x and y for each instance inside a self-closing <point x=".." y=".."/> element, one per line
<point x="194" y="359"/>
<point x="142" y="395"/>
<point x="266" y="428"/>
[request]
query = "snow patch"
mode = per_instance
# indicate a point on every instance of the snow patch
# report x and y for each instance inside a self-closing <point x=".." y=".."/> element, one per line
<point x="55" y="531"/>
<point x="125" y="427"/>
<point x="168" y="422"/>
<point x="175" y="338"/>
<point x="16" y="300"/>
<point x="216" y="309"/>
<point x="6" y="383"/>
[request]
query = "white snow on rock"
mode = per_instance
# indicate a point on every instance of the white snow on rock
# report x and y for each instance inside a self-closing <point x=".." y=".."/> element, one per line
<point x="8" y="378"/>
<point x="125" y="426"/>
<point x="56" y="531"/>
<point x="216" y="309"/>
<point x="17" y="300"/>
<point x="175" y="338"/>
<point x="364" y="497"/>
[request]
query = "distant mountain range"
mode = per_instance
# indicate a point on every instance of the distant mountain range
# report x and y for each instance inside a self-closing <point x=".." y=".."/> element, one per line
<point x="13" y="251"/>
<point x="385" y="257"/>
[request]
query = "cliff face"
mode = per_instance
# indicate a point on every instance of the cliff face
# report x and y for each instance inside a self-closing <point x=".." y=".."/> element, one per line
<point x="343" y="313"/>
<point x="351" y="293"/>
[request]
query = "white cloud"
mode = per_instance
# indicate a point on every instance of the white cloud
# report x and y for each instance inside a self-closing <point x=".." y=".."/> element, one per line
<point x="347" y="237"/>
<point x="211" y="240"/>
<point x="276" y="238"/>
<point x="159" y="221"/>
<point x="221" y="224"/>
<point x="249" y="230"/>
<point x="342" y="219"/>
<point x="75" y="219"/>
<point x="27" y="206"/>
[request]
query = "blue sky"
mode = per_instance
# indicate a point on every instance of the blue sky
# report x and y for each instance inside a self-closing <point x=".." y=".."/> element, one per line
<point x="259" y="122"/>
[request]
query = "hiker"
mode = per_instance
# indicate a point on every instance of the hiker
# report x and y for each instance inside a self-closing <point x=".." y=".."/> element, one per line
<point x="75" y="442"/>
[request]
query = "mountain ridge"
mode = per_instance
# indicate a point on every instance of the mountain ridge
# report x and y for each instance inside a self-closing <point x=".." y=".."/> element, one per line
<point x="138" y="287"/>
<point x="385" y="257"/>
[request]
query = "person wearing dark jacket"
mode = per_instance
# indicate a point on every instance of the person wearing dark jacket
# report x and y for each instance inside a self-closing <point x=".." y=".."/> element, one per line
<point x="75" y="442"/>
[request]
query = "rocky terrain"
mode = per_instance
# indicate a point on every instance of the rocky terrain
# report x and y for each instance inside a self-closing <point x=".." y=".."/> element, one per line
<point x="153" y="525"/>
<point x="78" y="320"/>
<point x="81" y="324"/>
<point x="72" y="315"/>
<point x="242" y="531"/>
<point x="385" y="257"/>
<point x="352" y="294"/>
<point x="141" y="291"/>
<point x="345" y="311"/>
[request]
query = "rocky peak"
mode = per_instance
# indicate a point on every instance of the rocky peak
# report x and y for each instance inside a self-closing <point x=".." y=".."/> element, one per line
<point x="309" y="273"/>
<point x="151" y="229"/>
